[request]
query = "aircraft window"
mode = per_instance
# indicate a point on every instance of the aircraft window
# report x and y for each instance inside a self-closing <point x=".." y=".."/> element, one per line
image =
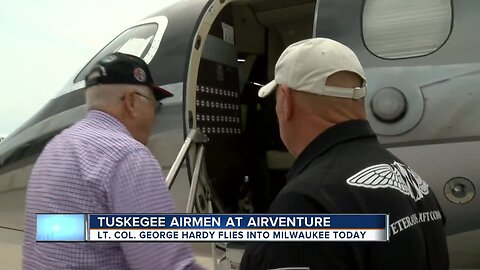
<point x="136" y="46"/>
<point x="398" y="29"/>
<point x="142" y="40"/>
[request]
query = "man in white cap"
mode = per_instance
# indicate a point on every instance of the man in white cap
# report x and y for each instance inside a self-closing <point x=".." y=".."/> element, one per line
<point x="341" y="167"/>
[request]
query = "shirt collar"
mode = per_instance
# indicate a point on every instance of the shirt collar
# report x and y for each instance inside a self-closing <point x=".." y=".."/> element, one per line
<point x="337" y="134"/>
<point x="103" y="119"/>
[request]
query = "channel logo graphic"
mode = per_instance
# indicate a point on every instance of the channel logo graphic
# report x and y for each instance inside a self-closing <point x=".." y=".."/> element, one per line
<point x="60" y="227"/>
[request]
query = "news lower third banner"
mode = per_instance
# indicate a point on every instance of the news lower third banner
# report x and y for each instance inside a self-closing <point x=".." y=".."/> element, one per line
<point x="212" y="227"/>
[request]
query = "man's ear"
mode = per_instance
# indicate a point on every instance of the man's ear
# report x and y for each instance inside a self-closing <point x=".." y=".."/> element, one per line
<point x="129" y="103"/>
<point x="287" y="102"/>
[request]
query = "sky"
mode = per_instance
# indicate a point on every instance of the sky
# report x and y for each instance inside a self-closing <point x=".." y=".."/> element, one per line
<point x="43" y="43"/>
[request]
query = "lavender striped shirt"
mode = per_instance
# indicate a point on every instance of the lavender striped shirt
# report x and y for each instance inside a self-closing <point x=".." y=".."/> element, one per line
<point x="96" y="166"/>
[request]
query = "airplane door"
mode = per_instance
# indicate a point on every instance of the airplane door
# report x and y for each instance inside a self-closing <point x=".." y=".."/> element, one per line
<point x="214" y="103"/>
<point x="422" y="66"/>
<point x="213" y="107"/>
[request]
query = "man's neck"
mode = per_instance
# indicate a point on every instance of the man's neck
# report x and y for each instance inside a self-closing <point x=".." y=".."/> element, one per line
<point x="307" y="131"/>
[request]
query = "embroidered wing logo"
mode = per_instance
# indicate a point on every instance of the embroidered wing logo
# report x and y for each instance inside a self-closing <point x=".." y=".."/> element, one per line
<point x="396" y="176"/>
<point x="422" y="185"/>
<point x="378" y="176"/>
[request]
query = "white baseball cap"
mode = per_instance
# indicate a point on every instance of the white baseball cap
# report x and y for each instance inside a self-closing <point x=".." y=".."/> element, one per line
<point x="306" y="65"/>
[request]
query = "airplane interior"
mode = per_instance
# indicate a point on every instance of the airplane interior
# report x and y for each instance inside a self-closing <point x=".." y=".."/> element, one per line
<point x="245" y="158"/>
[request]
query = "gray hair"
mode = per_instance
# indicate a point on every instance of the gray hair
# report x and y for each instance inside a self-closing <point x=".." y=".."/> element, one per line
<point x="104" y="95"/>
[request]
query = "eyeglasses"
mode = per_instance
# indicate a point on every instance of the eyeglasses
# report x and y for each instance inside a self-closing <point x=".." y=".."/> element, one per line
<point x="156" y="104"/>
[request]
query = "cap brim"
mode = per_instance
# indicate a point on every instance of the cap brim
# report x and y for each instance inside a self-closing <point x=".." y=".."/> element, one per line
<point x="160" y="93"/>
<point x="267" y="89"/>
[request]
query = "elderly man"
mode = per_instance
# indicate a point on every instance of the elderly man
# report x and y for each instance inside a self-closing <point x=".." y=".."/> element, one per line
<point x="341" y="167"/>
<point x="101" y="165"/>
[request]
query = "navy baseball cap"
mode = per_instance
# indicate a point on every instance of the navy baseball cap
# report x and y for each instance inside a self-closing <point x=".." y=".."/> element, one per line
<point x="120" y="68"/>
